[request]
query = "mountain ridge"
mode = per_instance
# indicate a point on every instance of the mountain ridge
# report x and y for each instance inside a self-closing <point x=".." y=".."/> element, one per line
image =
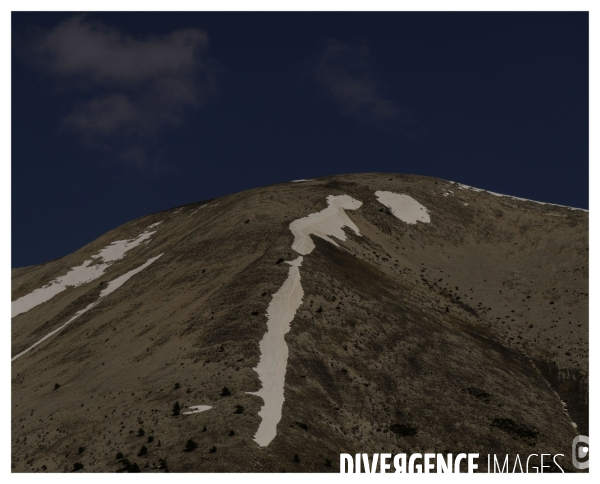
<point x="205" y="301"/>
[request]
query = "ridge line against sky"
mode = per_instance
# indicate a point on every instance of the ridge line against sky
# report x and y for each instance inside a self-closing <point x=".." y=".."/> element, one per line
<point x="120" y="114"/>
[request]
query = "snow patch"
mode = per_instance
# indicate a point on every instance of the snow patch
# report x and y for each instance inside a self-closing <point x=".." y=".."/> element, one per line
<point x="272" y="364"/>
<point x="78" y="275"/>
<point x="112" y="286"/>
<point x="197" y="409"/>
<point x="404" y="207"/>
<point x="197" y="210"/>
<point x="328" y="222"/>
<point x="301" y="180"/>
<point x="274" y="352"/>
<point x="467" y="187"/>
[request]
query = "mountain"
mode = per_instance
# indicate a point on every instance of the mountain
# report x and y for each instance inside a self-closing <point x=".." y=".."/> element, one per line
<point x="291" y="323"/>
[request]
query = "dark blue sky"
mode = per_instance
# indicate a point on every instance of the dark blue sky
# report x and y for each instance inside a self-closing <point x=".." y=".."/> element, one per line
<point x="117" y="115"/>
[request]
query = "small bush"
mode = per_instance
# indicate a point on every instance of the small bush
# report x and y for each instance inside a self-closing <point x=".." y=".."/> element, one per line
<point x="143" y="450"/>
<point x="403" y="430"/>
<point x="177" y="386"/>
<point x="212" y="450"/>
<point x="150" y="439"/>
<point x="190" y="445"/>
<point x="231" y="433"/>
<point x="225" y="392"/>
<point x="81" y="450"/>
<point x="239" y="409"/>
<point x="296" y="458"/>
<point x="141" y="433"/>
<point x="119" y="455"/>
<point x="77" y="466"/>
<point x="176" y="409"/>
<point x="162" y="464"/>
<point x="204" y="429"/>
<point x="129" y="466"/>
<point x="56" y="386"/>
<point x="328" y="463"/>
<point x="514" y="428"/>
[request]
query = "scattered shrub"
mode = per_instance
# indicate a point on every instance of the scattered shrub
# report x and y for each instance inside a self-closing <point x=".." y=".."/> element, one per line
<point x="56" y="386"/>
<point x="225" y="392"/>
<point x="77" y="466"/>
<point x="204" y="429"/>
<point x="119" y="455"/>
<point x="239" y="409"/>
<point x="514" y="428"/>
<point x="141" y="433"/>
<point x="150" y="439"/>
<point x="128" y="466"/>
<point x="212" y="450"/>
<point x="296" y="458"/>
<point x="177" y="386"/>
<point x="231" y="433"/>
<point x="478" y="393"/>
<point x="143" y="450"/>
<point x="328" y="463"/>
<point x="81" y="450"/>
<point x="403" y="430"/>
<point x="176" y="409"/>
<point x="190" y="445"/>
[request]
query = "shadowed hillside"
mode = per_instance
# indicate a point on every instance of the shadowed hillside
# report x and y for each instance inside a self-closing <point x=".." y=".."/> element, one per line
<point x="461" y="329"/>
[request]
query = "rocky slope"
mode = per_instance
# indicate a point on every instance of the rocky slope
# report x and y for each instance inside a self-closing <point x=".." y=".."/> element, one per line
<point x="466" y="332"/>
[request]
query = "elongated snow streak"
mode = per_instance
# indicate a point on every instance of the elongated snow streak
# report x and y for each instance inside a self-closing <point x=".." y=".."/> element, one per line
<point x="112" y="286"/>
<point x="329" y="221"/>
<point x="301" y="180"/>
<point x="467" y="187"/>
<point x="79" y="275"/>
<point x="197" y="210"/>
<point x="404" y="207"/>
<point x="274" y="352"/>
<point x="197" y="409"/>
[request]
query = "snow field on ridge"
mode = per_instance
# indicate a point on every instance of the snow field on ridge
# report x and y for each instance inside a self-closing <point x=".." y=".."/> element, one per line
<point x="112" y="286"/>
<point x="80" y="274"/>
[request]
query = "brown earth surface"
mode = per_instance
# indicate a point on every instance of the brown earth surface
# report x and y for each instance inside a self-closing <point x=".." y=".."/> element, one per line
<point x="459" y="335"/>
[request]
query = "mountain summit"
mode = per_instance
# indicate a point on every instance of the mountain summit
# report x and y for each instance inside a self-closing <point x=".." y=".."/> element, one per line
<point x="273" y="329"/>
